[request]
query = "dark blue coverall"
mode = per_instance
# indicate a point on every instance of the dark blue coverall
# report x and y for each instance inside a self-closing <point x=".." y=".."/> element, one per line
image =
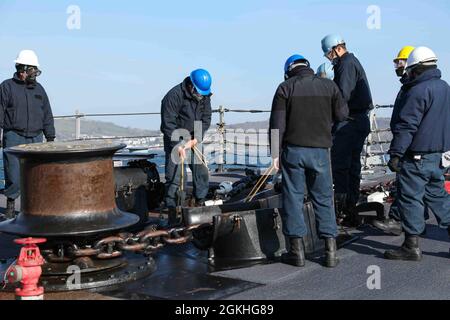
<point x="393" y="210"/>
<point x="421" y="136"/>
<point x="349" y="135"/>
<point x="25" y="116"/>
<point x="180" y="110"/>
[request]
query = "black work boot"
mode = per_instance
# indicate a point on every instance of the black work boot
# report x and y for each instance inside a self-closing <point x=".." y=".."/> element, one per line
<point x="408" y="251"/>
<point x="296" y="254"/>
<point x="331" y="259"/>
<point x="352" y="218"/>
<point x="389" y="225"/>
<point x="10" y="212"/>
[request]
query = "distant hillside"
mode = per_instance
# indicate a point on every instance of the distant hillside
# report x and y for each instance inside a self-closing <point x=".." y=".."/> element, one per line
<point x="382" y="123"/>
<point x="65" y="129"/>
<point x="250" y="125"/>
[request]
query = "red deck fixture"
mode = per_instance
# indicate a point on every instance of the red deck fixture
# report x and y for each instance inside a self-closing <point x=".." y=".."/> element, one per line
<point x="27" y="270"/>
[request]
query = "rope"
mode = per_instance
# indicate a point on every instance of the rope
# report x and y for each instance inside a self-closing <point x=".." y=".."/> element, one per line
<point x="181" y="186"/>
<point x="200" y="156"/>
<point x="198" y="153"/>
<point x="182" y="175"/>
<point x="261" y="181"/>
<point x="257" y="183"/>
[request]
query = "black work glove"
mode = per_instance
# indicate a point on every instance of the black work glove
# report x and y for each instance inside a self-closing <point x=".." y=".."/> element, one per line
<point x="394" y="164"/>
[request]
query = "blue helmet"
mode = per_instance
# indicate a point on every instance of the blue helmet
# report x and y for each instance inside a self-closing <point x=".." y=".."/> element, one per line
<point x="326" y="71"/>
<point x="290" y="61"/>
<point x="331" y="41"/>
<point x="201" y="79"/>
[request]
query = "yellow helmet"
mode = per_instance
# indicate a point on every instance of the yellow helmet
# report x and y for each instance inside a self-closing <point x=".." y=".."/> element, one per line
<point x="404" y="53"/>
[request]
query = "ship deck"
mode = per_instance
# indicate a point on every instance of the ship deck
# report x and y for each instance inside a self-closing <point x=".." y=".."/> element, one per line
<point x="183" y="272"/>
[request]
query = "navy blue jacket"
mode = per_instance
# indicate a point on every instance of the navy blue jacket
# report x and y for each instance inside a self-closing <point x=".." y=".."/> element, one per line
<point x="351" y="79"/>
<point x="396" y="109"/>
<point x="179" y="110"/>
<point x="303" y="109"/>
<point x="424" y="117"/>
<point x="25" y="110"/>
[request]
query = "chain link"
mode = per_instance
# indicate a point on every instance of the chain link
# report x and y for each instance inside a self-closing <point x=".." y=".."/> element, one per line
<point x="109" y="247"/>
<point x="146" y="242"/>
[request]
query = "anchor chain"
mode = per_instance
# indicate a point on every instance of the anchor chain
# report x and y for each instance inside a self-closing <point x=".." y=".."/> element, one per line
<point x="145" y="242"/>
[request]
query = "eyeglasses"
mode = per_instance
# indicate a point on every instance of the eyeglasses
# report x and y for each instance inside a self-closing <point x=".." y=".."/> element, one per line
<point x="329" y="55"/>
<point x="33" y="71"/>
<point x="399" y="64"/>
<point x="29" y="70"/>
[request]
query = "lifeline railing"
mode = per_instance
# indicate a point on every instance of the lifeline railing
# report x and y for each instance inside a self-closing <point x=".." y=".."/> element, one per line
<point x="374" y="138"/>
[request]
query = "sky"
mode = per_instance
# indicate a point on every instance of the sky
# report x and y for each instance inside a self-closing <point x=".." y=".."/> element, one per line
<point x="126" y="55"/>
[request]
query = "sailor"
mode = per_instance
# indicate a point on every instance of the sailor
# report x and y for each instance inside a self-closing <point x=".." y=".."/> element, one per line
<point x="349" y="135"/>
<point x="421" y="137"/>
<point x="185" y="107"/>
<point x="303" y="110"/>
<point x="392" y="224"/>
<point x="25" y="117"/>
<point x="325" y="70"/>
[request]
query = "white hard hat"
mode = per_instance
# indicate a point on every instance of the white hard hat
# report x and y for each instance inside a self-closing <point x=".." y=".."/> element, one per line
<point x="27" y="57"/>
<point x="421" y="55"/>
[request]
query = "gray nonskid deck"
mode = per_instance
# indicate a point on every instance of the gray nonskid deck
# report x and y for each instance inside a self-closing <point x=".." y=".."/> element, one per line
<point x="183" y="271"/>
<point x="428" y="279"/>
